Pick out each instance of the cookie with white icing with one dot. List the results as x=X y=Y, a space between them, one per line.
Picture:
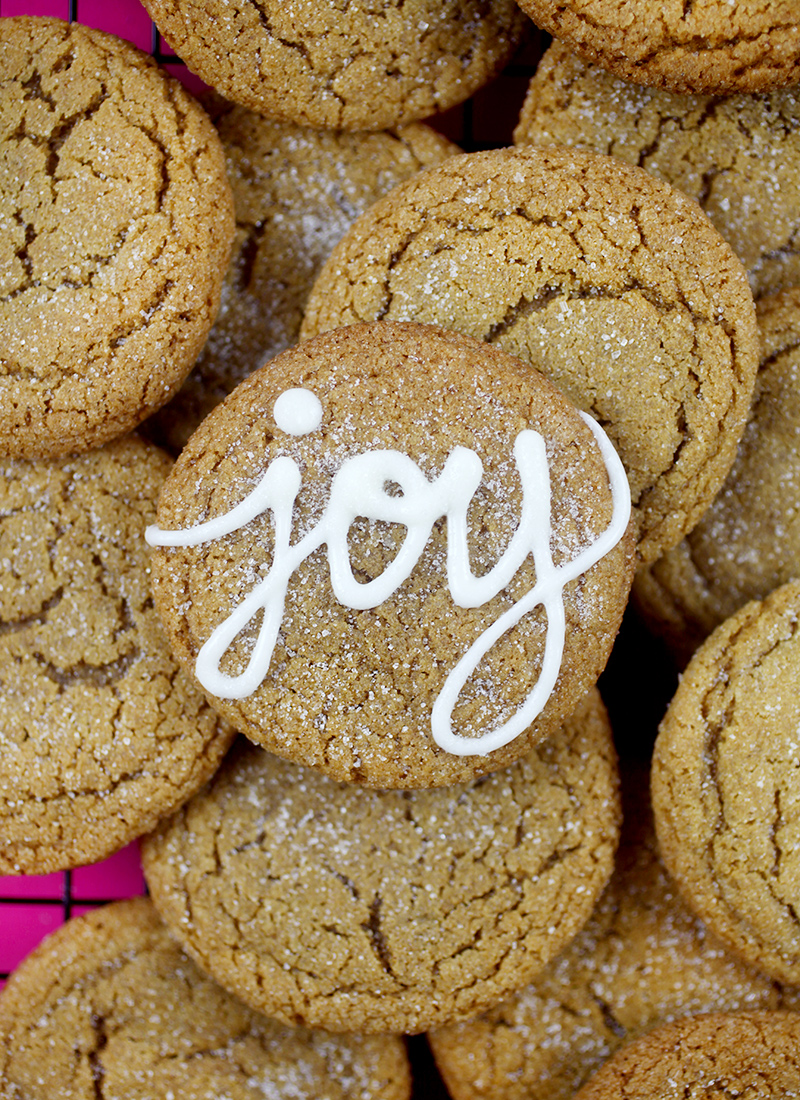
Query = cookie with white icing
x=395 y=554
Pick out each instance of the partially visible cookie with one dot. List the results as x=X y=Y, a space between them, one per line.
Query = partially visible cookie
x=713 y=47
x=738 y=156
x=748 y=542
x=641 y=960
x=725 y=789
x=296 y=193
x=326 y=904
x=395 y=554
x=102 y=733
x=117 y=222
x=610 y=282
x=109 y=1005
x=746 y=1054
x=358 y=66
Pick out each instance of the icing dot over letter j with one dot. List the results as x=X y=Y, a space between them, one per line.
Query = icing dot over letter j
x=359 y=489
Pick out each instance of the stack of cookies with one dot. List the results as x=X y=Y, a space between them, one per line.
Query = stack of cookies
x=356 y=722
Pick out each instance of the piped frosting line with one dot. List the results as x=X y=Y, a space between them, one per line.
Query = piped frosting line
x=359 y=488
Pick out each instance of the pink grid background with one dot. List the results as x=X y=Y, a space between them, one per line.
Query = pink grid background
x=33 y=906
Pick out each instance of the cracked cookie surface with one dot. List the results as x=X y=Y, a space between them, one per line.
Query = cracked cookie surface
x=327 y=904
x=709 y=46
x=725 y=789
x=296 y=191
x=720 y=1056
x=738 y=156
x=110 y=1006
x=611 y=283
x=642 y=959
x=358 y=65
x=350 y=686
x=102 y=732
x=117 y=221
x=748 y=542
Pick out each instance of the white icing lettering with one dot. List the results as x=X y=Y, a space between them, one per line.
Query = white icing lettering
x=359 y=488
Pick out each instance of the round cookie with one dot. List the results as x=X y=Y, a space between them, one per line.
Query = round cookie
x=640 y=960
x=364 y=66
x=117 y=219
x=712 y=47
x=296 y=193
x=741 y=1054
x=329 y=905
x=739 y=157
x=110 y=1006
x=748 y=542
x=102 y=732
x=611 y=283
x=725 y=783
x=394 y=649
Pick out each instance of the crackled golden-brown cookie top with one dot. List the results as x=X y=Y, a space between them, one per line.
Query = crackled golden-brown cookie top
x=713 y=1057
x=711 y=46
x=364 y=65
x=296 y=192
x=109 y=1005
x=117 y=221
x=610 y=282
x=396 y=554
x=102 y=733
x=748 y=542
x=327 y=904
x=725 y=789
x=640 y=960
x=738 y=156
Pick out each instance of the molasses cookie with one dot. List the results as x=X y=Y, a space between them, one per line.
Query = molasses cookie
x=117 y=223
x=361 y=66
x=641 y=959
x=110 y=1006
x=396 y=554
x=725 y=790
x=748 y=542
x=102 y=733
x=296 y=192
x=712 y=47
x=610 y=282
x=739 y=157
x=329 y=905
x=752 y=1054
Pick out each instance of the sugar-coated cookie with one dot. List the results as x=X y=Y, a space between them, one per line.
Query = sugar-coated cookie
x=309 y=581
x=109 y=1005
x=714 y=47
x=738 y=156
x=610 y=282
x=296 y=193
x=102 y=733
x=641 y=959
x=748 y=542
x=358 y=66
x=738 y=1054
x=117 y=220
x=725 y=790
x=329 y=905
